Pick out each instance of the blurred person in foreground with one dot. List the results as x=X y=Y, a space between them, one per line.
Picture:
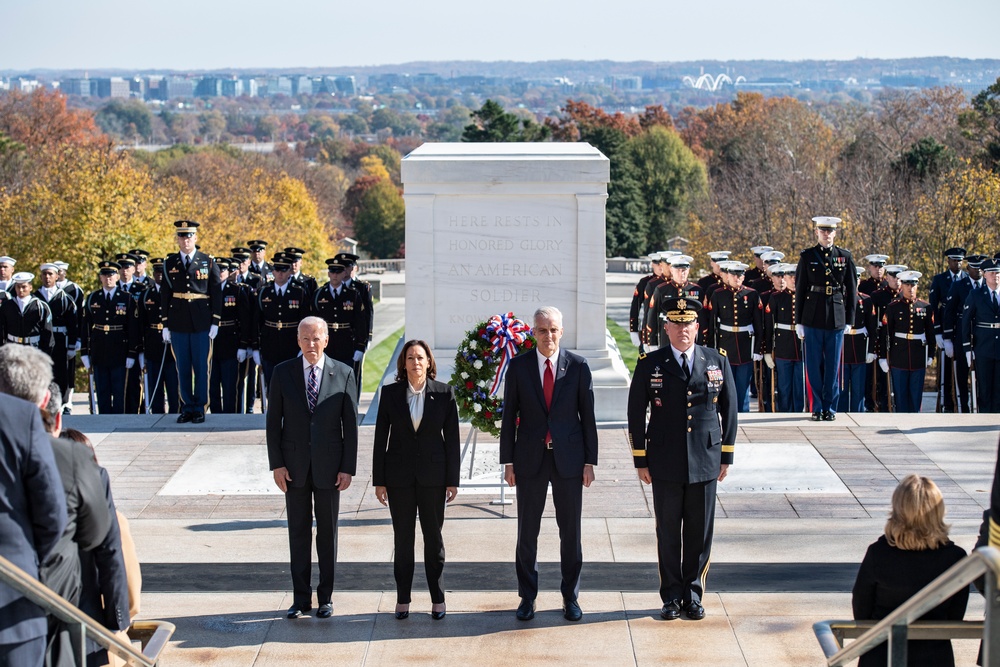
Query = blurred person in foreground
x=415 y=467
x=914 y=551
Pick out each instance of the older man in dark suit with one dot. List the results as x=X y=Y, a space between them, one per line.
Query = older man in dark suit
x=549 y=435
x=312 y=448
x=30 y=527
x=684 y=451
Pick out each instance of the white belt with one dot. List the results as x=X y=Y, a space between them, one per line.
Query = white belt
x=30 y=340
x=61 y=330
x=785 y=327
x=863 y=331
x=908 y=336
x=726 y=327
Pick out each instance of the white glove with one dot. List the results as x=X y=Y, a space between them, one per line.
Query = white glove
x=652 y=348
x=949 y=349
x=769 y=360
x=634 y=335
x=241 y=355
x=256 y=357
x=78 y=346
x=930 y=361
x=71 y=352
x=86 y=361
x=213 y=332
x=870 y=357
x=939 y=339
x=847 y=328
x=358 y=354
x=800 y=331
x=970 y=357
x=166 y=335
x=758 y=357
x=129 y=363
x=884 y=365
x=142 y=360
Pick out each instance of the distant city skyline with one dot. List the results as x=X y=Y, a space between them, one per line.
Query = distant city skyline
x=199 y=35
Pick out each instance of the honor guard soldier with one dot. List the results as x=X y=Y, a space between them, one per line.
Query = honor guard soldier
x=981 y=339
x=635 y=322
x=308 y=282
x=684 y=450
x=734 y=321
x=192 y=305
x=776 y=283
x=937 y=297
x=908 y=342
x=782 y=348
x=155 y=358
x=24 y=318
x=6 y=272
x=280 y=306
x=229 y=349
x=258 y=263
x=715 y=276
x=246 y=381
x=757 y=272
x=650 y=289
x=133 y=379
x=364 y=289
x=65 y=329
x=104 y=340
x=761 y=388
x=859 y=353
x=877 y=383
x=242 y=274
x=141 y=266
x=951 y=328
x=75 y=292
x=343 y=311
x=126 y=273
x=678 y=268
x=875 y=278
x=826 y=286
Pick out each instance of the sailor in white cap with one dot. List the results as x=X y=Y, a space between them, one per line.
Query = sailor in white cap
x=24 y=319
x=907 y=343
x=65 y=328
x=6 y=271
x=826 y=288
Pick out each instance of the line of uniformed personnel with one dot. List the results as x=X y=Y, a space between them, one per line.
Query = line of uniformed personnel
x=866 y=322
x=128 y=330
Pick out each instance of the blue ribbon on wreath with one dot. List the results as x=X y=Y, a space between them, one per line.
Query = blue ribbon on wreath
x=505 y=334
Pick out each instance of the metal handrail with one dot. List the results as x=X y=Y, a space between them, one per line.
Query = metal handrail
x=82 y=626
x=894 y=627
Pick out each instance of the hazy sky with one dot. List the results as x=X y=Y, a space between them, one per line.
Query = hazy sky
x=207 y=34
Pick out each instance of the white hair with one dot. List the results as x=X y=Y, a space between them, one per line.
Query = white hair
x=551 y=313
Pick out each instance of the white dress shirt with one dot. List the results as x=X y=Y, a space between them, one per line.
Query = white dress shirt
x=319 y=372
x=415 y=399
x=541 y=365
x=677 y=357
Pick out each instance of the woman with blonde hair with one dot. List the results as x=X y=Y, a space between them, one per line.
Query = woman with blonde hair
x=914 y=551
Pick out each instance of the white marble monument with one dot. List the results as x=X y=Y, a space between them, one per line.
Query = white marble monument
x=498 y=227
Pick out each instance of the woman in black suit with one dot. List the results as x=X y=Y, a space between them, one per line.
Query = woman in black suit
x=415 y=466
x=913 y=552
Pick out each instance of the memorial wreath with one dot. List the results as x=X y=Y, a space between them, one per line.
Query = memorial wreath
x=480 y=365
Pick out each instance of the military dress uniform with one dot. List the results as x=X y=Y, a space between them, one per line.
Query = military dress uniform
x=274 y=335
x=981 y=337
x=937 y=297
x=104 y=339
x=825 y=296
x=951 y=328
x=667 y=290
x=635 y=323
x=343 y=311
x=690 y=434
x=364 y=289
x=157 y=357
x=908 y=342
x=859 y=346
x=31 y=326
x=233 y=336
x=734 y=321
x=785 y=348
x=65 y=334
x=877 y=382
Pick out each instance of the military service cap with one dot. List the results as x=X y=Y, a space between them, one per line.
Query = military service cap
x=719 y=255
x=877 y=260
x=955 y=253
x=62 y=266
x=826 y=222
x=141 y=255
x=257 y=245
x=909 y=277
x=336 y=264
x=759 y=250
x=681 y=309
x=772 y=256
x=975 y=260
x=49 y=266
x=680 y=261
x=107 y=267
x=126 y=259
x=989 y=266
x=186 y=227
x=893 y=269
x=23 y=277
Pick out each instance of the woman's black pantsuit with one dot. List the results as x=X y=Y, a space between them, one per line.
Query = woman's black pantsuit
x=416 y=466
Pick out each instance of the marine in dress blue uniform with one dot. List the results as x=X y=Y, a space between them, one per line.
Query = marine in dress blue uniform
x=105 y=347
x=192 y=305
x=981 y=337
x=937 y=297
x=875 y=278
x=684 y=449
x=877 y=383
x=782 y=349
x=907 y=343
x=635 y=321
x=859 y=353
x=735 y=327
x=757 y=271
x=678 y=267
x=825 y=297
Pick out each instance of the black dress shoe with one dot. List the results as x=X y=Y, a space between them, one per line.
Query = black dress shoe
x=325 y=610
x=184 y=417
x=571 y=610
x=526 y=610
x=829 y=417
x=694 y=611
x=671 y=611
x=438 y=615
x=198 y=418
x=400 y=615
x=817 y=416
x=296 y=611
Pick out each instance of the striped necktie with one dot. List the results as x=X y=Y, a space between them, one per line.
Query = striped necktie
x=312 y=389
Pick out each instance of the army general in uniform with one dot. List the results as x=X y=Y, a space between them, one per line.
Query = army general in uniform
x=683 y=450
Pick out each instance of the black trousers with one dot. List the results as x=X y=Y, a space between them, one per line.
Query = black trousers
x=404 y=503
x=164 y=368
x=988 y=383
x=962 y=378
x=222 y=385
x=134 y=403
x=247 y=386
x=567 y=496
x=299 y=504
x=685 y=521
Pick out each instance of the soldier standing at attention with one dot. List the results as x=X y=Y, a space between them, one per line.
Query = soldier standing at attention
x=229 y=349
x=141 y=264
x=757 y=272
x=981 y=337
x=308 y=282
x=782 y=348
x=65 y=329
x=343 y=311
x=24 y=318
x=908 y=343
x=7 y=264
x=937 y=297
x=876 y=274
x=678 y=268
x=104 y=339
x=192 y=304
x=877 y=384
x=825 y=298
x=281 y=305
x=75 y=292
x=734 y=320
x=952 y=326
x=635 y=323
x=715 y=277
x=154 y=355
x=859 y=353
x=258 y=262
x=364 y=290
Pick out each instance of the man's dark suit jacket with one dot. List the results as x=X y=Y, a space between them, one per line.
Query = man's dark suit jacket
x=570 y=420
x=34 y=511
x=325 y=441
x=430 y=455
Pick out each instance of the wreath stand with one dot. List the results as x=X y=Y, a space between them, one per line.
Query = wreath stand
x=472 y=440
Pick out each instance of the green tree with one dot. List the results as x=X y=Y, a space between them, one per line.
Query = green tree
x=492 y=124
x=982 y=124
x=125 y=119
x=354 y=123
x=379 y=223
x=625 y=212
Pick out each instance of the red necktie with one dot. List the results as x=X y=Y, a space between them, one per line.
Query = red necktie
x=548 y=384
